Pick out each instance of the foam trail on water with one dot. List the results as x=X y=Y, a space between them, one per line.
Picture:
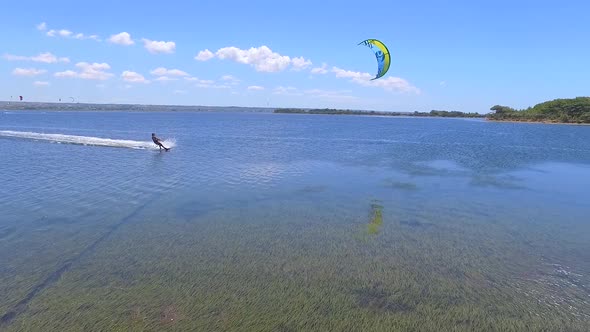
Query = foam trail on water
x=86 y=140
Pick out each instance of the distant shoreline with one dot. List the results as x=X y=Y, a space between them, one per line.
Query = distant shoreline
x=90 y=107
x=431 y=114
x=539 y=122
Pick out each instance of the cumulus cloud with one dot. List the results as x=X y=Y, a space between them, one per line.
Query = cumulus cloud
x=123 y=38
x=204 y=55
x=255 y=88
x=387 y=83
x=154 y=46
x=65 y=33
x=42 y=57
x=320 y=70
x=131 y=76
x=88 y=71
x=300 y=63
x=262 y=58
x=94 y=71
x=41 y=83
x=161 y=71
x=28 y=71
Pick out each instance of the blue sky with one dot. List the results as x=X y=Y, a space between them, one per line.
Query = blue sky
x=454 y=55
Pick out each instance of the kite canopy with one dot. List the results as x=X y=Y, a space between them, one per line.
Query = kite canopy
x=382 y=55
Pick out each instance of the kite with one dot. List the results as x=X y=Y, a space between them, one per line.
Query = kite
x=382 y=55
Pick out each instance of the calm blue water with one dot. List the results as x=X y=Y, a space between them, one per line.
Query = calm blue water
x=63 y=206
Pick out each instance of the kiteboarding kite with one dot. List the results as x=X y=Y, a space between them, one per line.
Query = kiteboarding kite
x=382 y=54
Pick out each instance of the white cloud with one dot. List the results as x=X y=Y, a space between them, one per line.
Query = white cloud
x=82 y=36
x=161 y=71
x=387 y=83
x=287 y=91
x=191 y=78
x=320 y=70
x=300 y=63
x=122 y=38
x=65 y=33
x=206 y=82
x=28 y=72
x=204 y=55
x=11 y=57
x=213 y=86
x=210 y=84
x=159 y=46
x=67 y=73
x=131 y=76
x=88 y=71
x=49 y=58
x=94 y=71
x=42 y=57
x=40 y=83
x=230 y=79
x=166 y=79
x=262 y=58
x=255 y=88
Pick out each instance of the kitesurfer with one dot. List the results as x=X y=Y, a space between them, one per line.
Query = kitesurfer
x=158 y=142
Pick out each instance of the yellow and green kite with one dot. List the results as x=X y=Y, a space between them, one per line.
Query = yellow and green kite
x=382 y=54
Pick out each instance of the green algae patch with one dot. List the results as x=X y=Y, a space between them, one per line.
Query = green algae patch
x=375 y=218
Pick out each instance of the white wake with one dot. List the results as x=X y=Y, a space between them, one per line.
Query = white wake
x=86 y=140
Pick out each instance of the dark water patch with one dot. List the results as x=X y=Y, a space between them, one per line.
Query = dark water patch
x=284 y=327
x=410 y=186
x=312 y=189
x=416 y=224
x=499 y=182
x=191 y=210
x=56 y=221
x=86 y=306
x=377 y=299
x=6 y=232
x=22 y=305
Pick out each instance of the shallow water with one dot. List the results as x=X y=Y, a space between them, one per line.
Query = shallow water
x=264 y=222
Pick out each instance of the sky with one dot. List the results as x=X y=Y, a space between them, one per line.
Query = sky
x=445 y=55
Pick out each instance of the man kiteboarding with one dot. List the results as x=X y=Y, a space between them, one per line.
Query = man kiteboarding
x=158 y=142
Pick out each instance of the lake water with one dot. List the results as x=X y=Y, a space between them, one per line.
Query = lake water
x=270 y=222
